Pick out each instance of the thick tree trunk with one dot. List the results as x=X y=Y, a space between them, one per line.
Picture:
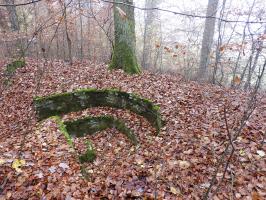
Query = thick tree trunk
x=124 y=56
x=207 y=39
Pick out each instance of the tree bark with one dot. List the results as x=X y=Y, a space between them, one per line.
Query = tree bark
x=3 y=21
x=69 y=42
x=81 y=30
x=14 y=26
x=149 y=32
x=207 y=39
x=252 y=68
x=13 y=17
x=124 y=56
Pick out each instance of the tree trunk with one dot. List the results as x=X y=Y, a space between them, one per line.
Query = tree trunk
x=14 y=26
x=3 y=21
x=88 y=32
x=69 y=43
x=13 y=17
x=81 y=31
x=124 y=56
x=252 y=68
x=207 y=39
x=149 y=32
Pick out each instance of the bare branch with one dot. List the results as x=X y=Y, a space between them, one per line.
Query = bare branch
x=187 y=15
x=20 y=4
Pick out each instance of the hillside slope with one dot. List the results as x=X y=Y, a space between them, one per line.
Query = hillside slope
x=177 y=164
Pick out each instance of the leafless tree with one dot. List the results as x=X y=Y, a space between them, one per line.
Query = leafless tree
x=207 y=39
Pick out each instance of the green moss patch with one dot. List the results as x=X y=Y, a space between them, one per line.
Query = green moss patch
x=89 y=155
x=59 y=104
x=62 y=128
x=12 y=67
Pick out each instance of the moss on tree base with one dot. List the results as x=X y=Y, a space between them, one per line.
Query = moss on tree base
x=124 y=58
x=124 y=52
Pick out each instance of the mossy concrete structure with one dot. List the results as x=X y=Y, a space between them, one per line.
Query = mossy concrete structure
x=63 y=103
x=91 y=125
x=58 y=104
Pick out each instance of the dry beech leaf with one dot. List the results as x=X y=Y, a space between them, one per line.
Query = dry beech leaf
x=184 y=164
x=188 y=152
x=174 y=190
x=237 y=80
x=256 y=196
x=2 y=161
x=139 y=160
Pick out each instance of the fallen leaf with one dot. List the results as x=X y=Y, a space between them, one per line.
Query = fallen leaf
x=20 y=181
x=2 y=161
x=39 y=175
x=139 y=160
x=188 y=152
x=17 y=164
x=8 y=195
x=183 y=164
x=174 y=190
x=64 y=166
x=256 y=196
x=52 y=169
x=237 y=80
x=242 y=152
x=261 y=153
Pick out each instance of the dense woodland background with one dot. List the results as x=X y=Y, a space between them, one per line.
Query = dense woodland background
x=228 y=49
x=201 y=63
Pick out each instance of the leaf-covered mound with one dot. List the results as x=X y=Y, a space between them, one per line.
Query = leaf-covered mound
x=177 y=164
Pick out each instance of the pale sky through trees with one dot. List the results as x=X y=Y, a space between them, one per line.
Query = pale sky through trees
x=177 y=29
x=171 y=22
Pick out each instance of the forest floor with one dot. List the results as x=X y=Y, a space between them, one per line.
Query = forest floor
x=177 y=164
